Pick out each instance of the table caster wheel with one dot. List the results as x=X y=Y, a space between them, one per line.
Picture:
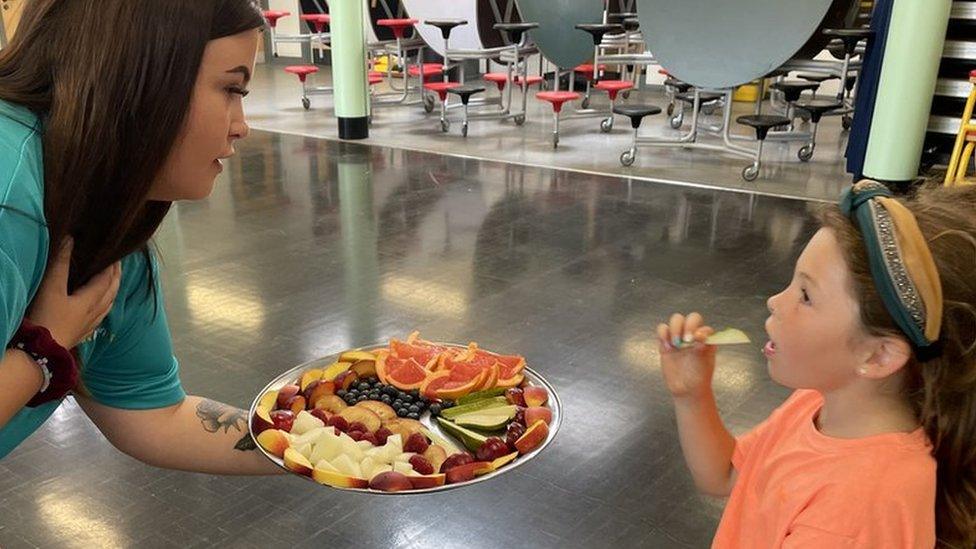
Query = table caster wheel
x=846 y=122
x=606 y=125
x=670 y=109
x=805 y=153
x=519 y=120
x=428 y=104
x=750 y=173
x=586 y=103
x=464 y=129
x=677 y=120
x=627 y=158
x=307 y=103
x=445 y=126
x=555 y=140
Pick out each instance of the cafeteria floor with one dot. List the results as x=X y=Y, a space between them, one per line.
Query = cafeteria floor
x=309 y=246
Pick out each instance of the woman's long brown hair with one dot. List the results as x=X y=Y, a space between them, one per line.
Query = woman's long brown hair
x=941 y=389
x=111 y=82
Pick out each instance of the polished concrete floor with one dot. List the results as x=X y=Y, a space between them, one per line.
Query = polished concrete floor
x=310 y=246
x=275 y=104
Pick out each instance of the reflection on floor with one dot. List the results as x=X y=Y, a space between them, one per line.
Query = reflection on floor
x=275 y=104
x=309 y=246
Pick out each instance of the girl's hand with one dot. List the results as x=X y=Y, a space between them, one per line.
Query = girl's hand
x=71 y=318
x=686 y=361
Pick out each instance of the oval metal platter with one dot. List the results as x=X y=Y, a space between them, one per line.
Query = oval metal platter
x=531 y=378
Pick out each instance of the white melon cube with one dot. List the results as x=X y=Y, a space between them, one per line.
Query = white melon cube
x=305 y=422
x=404 y=468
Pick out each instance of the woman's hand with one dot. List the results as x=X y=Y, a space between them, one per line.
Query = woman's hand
x=72 y=318
x=686 y=361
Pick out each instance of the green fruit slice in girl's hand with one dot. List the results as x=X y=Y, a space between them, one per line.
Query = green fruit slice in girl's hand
x=730 y=336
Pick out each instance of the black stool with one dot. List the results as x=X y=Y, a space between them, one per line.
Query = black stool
x=762 y=123
x=818 y=78
x=636 y=113
x=709 y=99
x=792 y=89
x=817 y=108
x=597 y=31
x=850 y=38
x=515 y=30
x=673 y=86
x=465 y=93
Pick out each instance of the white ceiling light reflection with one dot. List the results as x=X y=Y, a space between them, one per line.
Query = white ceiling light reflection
x=233 y=307
x=77 y=520
x=423 y=295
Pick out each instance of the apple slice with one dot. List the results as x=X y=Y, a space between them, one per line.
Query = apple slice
x=381 y=468
x=345 y=380
x=336 y=479
x=533 y=436
x=308 y=377
x=384 y=411
x=274 y=441
x=729 y=336
x=504 y=460
x=406 y=427
x=535 y=395
x=535 y=413
x=421 y=482
x=365 y=416
x=331 y=404
x=297 y=463
x=468 y=471
x=305 y=422
x=391 y=481
x=436 y=455
x=295 y=404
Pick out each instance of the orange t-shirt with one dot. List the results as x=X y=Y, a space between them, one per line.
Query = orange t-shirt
x=797 y=487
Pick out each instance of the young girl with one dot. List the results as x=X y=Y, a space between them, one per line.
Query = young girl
x=876 y=332
x=110 y=110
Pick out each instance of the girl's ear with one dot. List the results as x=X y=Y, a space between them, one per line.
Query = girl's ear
x=891 y=354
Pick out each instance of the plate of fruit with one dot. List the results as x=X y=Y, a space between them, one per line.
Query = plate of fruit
x=411 y=416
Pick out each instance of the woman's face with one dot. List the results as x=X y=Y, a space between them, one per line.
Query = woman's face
x=215 y=121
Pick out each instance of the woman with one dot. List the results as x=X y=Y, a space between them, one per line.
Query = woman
x=102 y=126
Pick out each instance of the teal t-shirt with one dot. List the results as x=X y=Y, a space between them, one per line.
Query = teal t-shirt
x=129 y=361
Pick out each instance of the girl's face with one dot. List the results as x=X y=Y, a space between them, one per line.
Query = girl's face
x=215 y=121
x=816 y=339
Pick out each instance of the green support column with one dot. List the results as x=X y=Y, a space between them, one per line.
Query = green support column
x=349 y=68
x=909 y=70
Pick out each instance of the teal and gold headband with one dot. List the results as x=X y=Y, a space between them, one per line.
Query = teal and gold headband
x=901 y=263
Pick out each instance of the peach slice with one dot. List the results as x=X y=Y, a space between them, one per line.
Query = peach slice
x=535 y=395
x=353 y=357
x=262 y=420
x=436 y=455
x=321 y=414
x=405 y=427
x=295 y=404
x=427 y=481
x=364 y=368
x=533 y=436
x=337 y=479
x=334 y=370
x=345 y=380
x=274 y=441
x=468 y=471
x=285 y=394
x=385 y=411
x=317 y=390
x=536 y=413
x=297 y=463
x=268 y=400
x=391 y=481
x=309 y=377
x=331 y=404
x=365 y=416
x=504 y=460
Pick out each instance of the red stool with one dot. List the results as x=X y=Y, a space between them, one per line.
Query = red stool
x=557 y=98
x=591 y=74
x=398 y=26
x=374 y=78
x=318 y=20
x=272 y=16
x=425 y=70
x=529 y=80
x=499 y=78
x=302 y=72
x=612 y=87
x=440 y=88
